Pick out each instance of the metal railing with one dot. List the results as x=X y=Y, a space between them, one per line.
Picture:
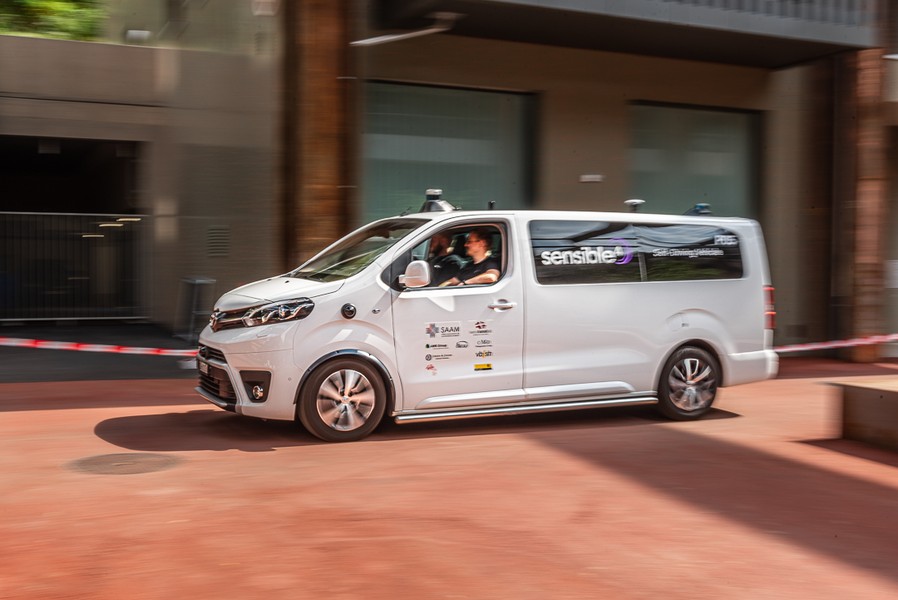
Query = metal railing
x=70 y=266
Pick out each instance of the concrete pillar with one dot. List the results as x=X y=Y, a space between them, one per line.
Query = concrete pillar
x=316 y=125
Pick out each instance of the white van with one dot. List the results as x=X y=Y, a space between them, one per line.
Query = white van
x=575 y=310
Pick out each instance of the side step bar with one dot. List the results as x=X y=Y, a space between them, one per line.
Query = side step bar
x=518 y=410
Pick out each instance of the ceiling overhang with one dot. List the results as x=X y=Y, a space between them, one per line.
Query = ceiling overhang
x=703 y=34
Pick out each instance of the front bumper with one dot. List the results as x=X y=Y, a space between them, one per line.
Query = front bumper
x=229 y=382
x=215 y=384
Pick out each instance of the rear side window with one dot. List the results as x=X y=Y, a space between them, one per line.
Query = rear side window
x=574 y=252
x=689 y=252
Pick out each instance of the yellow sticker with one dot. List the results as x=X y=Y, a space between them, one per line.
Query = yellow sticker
x=483 y=367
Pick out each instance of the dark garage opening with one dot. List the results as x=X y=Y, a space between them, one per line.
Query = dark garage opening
x=70 y=235
x=67 y=175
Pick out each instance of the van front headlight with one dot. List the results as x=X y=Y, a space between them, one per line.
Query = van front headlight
x=278 y=312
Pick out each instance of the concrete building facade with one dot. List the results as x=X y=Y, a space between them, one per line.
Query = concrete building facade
x=262 y=132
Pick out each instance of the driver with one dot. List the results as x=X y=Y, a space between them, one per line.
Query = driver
x=483 y=268
x=442 y=258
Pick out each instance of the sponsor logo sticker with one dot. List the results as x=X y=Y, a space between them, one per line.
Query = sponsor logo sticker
x=479 y=328
x=443 y=330
x=686 y=252
x=726 y=240
x=483 y=367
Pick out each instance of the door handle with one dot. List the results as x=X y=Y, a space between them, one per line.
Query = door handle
x=502 y=305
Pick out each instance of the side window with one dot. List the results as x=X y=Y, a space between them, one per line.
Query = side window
x=472 y=253
x=420 y=251
x=446 y=254
x=467 y=255
x=689 y=252
x=571 y=252
x=576 y=252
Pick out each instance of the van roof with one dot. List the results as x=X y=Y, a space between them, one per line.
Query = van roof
x=578 y=215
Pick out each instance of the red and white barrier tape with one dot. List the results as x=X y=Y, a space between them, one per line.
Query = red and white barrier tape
x=50 y=345
x=865 y=341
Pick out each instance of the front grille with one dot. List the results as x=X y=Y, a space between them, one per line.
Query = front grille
x=217 y=383
x=212 y=354
x=227 y=319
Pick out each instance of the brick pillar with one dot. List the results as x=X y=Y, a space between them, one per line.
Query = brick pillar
x=316 y=125
x=870 y=204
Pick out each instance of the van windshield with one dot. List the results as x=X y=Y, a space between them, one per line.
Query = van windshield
x=356 y=251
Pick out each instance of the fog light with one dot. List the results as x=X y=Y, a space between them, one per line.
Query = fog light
x=257 y=385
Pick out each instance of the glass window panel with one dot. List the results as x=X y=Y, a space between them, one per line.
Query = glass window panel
x=689 y=252
x=577 y=252
x=474 y=145
x=572 y=252
x=680 y=157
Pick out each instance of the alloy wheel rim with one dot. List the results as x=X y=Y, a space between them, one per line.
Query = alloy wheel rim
x=345 y=400
x=692 y=384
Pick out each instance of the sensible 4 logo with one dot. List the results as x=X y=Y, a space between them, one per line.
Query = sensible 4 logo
x=620 y=254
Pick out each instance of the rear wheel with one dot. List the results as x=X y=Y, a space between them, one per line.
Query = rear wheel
x=343 y=400
x=688 y=384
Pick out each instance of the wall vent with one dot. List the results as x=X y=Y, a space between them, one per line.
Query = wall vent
x=218 y=242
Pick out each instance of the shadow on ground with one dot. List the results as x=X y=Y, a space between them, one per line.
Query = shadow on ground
x=213 y=429
x=846 y=518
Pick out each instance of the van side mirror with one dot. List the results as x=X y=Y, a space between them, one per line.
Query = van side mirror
x=417 y=274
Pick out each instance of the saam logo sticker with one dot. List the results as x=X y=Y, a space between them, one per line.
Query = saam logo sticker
x=443 y=330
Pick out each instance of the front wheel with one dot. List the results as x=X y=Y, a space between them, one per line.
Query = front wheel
x=343 y=400
x=688 y=384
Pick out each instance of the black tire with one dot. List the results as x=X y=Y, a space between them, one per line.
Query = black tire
x=688 y=384
x=343 y=400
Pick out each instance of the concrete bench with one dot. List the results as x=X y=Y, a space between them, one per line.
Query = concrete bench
x=870 y=411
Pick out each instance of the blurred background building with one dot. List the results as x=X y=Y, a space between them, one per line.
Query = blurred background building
x=169 y=150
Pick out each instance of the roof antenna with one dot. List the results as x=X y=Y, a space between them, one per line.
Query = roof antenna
x=492 y=205
x=634 y=204
x=702 y=208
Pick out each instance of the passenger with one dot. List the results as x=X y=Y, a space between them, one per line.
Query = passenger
x=483 y=267
x=443 y=260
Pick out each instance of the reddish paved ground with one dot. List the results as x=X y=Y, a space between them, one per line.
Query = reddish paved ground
x=759 y=501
